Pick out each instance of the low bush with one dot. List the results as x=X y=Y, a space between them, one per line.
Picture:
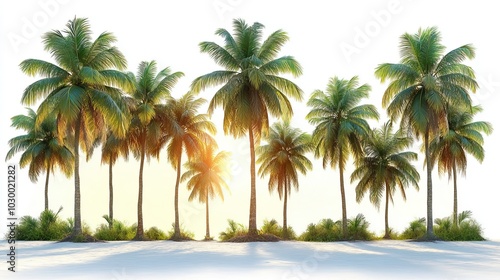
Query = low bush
x=154 y=233
x=234 y=229
x=118 y=231
x=466 y=228
x=185 y=234
x=415 y=230
x=327 y=230
x=48 y=226
x=272 y=227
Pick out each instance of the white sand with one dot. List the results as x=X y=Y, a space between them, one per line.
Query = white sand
x=282 y=260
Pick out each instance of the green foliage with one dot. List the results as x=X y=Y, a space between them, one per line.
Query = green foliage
x=154 y=233
x=466 y=229
x=415 y=230
x=185 y=234
x=357 y=229
x=234 y=229
x=119 y=231
x=327 y=230
x=272 y=227
x=47 y=227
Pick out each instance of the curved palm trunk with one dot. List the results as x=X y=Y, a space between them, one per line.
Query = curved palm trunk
x=207 y=234
x=111 y=194
x=140 y=226
x=342 y=194
x=77 y=229
x=177 y=229
x=47 y=189
x=387 y=236
x=430 y=226
x=285 y=201
x=455 y=194
x=252 y=226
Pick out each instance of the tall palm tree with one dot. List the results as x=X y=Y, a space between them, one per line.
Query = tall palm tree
x=252 y=88
x=423 y=85
x=80 y=89
x=340 y=126
x=205 y=176
x=151 y=91
x=463 y=137
x=112 y=148
x=281 y=158
x=188 y=131
x=41 y=148
x=385 y=166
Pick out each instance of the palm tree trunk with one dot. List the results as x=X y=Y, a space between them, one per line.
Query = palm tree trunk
x=207 y=234
x=252 y=226
x=285 y=201
x=455 y=198
x=77 y=229
x=177 y=229
x=47 y=189
x=140 y=226
x=110 y=194
x=386 y=236
x=342 y=194
x=430 y=226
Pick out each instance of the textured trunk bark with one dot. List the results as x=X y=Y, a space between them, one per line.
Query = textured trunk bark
x=47 y=189
x=387 y=192
x=285 y=201
x=455 y=195
x=342 y=194
x=140 y=226
x=110 y=194
x=177 y=229
x=77 y=230
x=207 y=234
x=252 y=227
x=430 y=226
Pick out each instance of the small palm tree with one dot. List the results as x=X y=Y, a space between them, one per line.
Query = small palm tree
x=463 y=137
x=424 y=84
x=151 y=91
x=187 y=131
x=281 y=158
x=385 y=166
x=41 y=149
x=252 y=87
x=80 y=90
x=340 y=126
x=205 y=176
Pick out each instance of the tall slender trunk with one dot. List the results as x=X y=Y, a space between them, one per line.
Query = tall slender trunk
x=387 y=193
x=177 y=229
x=77 y=229
x=285 y=201
x=47 y=189
x=455 y=194
x=430 y=226
x=252 y=226
x=111 y=194
x=342 y=194
x=207 y=234
x=140 y=226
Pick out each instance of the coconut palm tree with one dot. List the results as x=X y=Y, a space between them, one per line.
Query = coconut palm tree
x=151 y=89
x=252 y=88
x=41 y=149
x=340 y=126
x=282 y=158
x=187 y=132
x=385 y=167
x=80 y=88
x=205 y=176
x=463 y=137
x=423 y=85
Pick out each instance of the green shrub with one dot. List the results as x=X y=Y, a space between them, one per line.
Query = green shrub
x=466 y=229
x=234 y=229
x=325 y=231
x=28 y=229
x=272 y=227
x=47 y=227
x=185 y=234
x=357 y=228
x=415 y=230
x=119 y=231
x=155 y=233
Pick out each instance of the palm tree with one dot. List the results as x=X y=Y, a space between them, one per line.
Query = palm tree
x=340 y=126
x=151 y=91
x=252 y=88
x=385 y=166
x=206 y=178
x=41 y=147
x=281 y=158
x=79 y=89
x=422 y=87
x=112 y=148
x=187 y=132
x=463 y=137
